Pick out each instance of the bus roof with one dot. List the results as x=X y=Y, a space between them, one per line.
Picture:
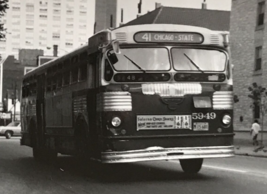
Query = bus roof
x=61 y=58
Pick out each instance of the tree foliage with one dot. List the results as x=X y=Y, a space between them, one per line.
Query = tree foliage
x=3 y=8
x=258 y=95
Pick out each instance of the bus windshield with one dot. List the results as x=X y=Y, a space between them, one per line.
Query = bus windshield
x=141 y=59
x=198 y=59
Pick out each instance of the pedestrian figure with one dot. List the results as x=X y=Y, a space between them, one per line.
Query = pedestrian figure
x=255 y=128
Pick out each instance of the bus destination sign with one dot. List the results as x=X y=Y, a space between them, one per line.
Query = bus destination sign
x=171 y=37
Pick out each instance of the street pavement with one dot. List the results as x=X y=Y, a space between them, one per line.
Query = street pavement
x=243 y=144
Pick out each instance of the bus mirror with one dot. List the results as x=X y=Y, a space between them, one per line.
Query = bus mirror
x=116 y=47
x=112 y=57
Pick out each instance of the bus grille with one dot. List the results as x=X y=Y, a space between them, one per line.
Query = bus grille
x=114 y=101
x=170 y=90
x=222 y=100
x=214 y=39
x=121 y=36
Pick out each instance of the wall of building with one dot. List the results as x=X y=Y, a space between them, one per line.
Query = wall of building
x=44 y=23
x=103 y=10
x=13 y=72
x=28 y=57
x=244 y=38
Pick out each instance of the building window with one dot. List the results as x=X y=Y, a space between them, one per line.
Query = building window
x=43 y=16
x=82 y=12
x=70 y=19
x=29 y=5
x=69 y=25
x=82 y=7
x=69 y=32
x=56 y=18
x=16 y=36
x=258 y=57
x=69 y=44
x=29 y=16
x=16 y=8
x=29 y=22
x=43 y=10
x=70 y=12
x=261 y=9
x=56 y=25
x=56 y=11
x=57 y=4
x=82 y=26
x=56 y=36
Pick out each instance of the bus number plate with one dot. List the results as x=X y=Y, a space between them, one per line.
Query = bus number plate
x=201 y=126
x=147 y=122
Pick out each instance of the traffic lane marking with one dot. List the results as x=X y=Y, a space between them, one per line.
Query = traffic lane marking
x=258 y=174
x=225 y=169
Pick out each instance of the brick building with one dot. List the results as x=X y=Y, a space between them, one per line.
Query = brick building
x=249 y=55
x=13 y=71
x=212 y=19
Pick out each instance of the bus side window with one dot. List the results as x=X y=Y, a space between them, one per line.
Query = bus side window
x=54 y=83
x=83 y=71
x=66 y=72
x=66 y=78
x=74 y=74
x=59 y=75
x=108 y=71
x=59 y=80
x=74 y=69
x=92 y=63
x=48 y=84
x=24 y=91
x=34 y=88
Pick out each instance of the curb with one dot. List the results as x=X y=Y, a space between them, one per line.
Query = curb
x=254 y=152
x=251 y=155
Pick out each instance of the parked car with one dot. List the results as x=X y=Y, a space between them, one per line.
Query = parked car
x=12 y=129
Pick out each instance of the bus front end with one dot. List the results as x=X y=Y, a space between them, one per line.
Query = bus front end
x=166 y=95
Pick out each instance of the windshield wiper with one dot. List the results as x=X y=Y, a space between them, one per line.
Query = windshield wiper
x=193 y=63
x=135 y=63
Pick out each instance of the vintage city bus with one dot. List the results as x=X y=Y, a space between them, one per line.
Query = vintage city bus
x=135 y=93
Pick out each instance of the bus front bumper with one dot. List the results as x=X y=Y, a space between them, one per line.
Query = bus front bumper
x=159 y=153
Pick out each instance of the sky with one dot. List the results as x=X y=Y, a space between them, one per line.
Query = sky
x=130 y=6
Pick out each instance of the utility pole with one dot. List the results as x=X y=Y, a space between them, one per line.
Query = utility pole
x=15 y=99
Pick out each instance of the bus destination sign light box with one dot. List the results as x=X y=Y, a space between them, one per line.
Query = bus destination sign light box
x=170 y=37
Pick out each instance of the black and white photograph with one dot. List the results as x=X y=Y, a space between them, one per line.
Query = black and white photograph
x=133 y=97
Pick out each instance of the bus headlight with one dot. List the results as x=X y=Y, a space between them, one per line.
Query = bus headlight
x=226 y=120
x=116 y=121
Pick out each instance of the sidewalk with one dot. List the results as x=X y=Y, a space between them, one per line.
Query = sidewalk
x=243 y=145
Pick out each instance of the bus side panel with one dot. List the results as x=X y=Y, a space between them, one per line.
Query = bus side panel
x=28 y=114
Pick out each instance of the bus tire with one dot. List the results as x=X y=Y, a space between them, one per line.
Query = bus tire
x=37 y=153
x=8 y=134
x=191 y=166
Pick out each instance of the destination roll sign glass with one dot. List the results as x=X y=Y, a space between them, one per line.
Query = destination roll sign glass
x=170 y=37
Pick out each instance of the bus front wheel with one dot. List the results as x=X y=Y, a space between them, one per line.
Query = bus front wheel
x=191 y=166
